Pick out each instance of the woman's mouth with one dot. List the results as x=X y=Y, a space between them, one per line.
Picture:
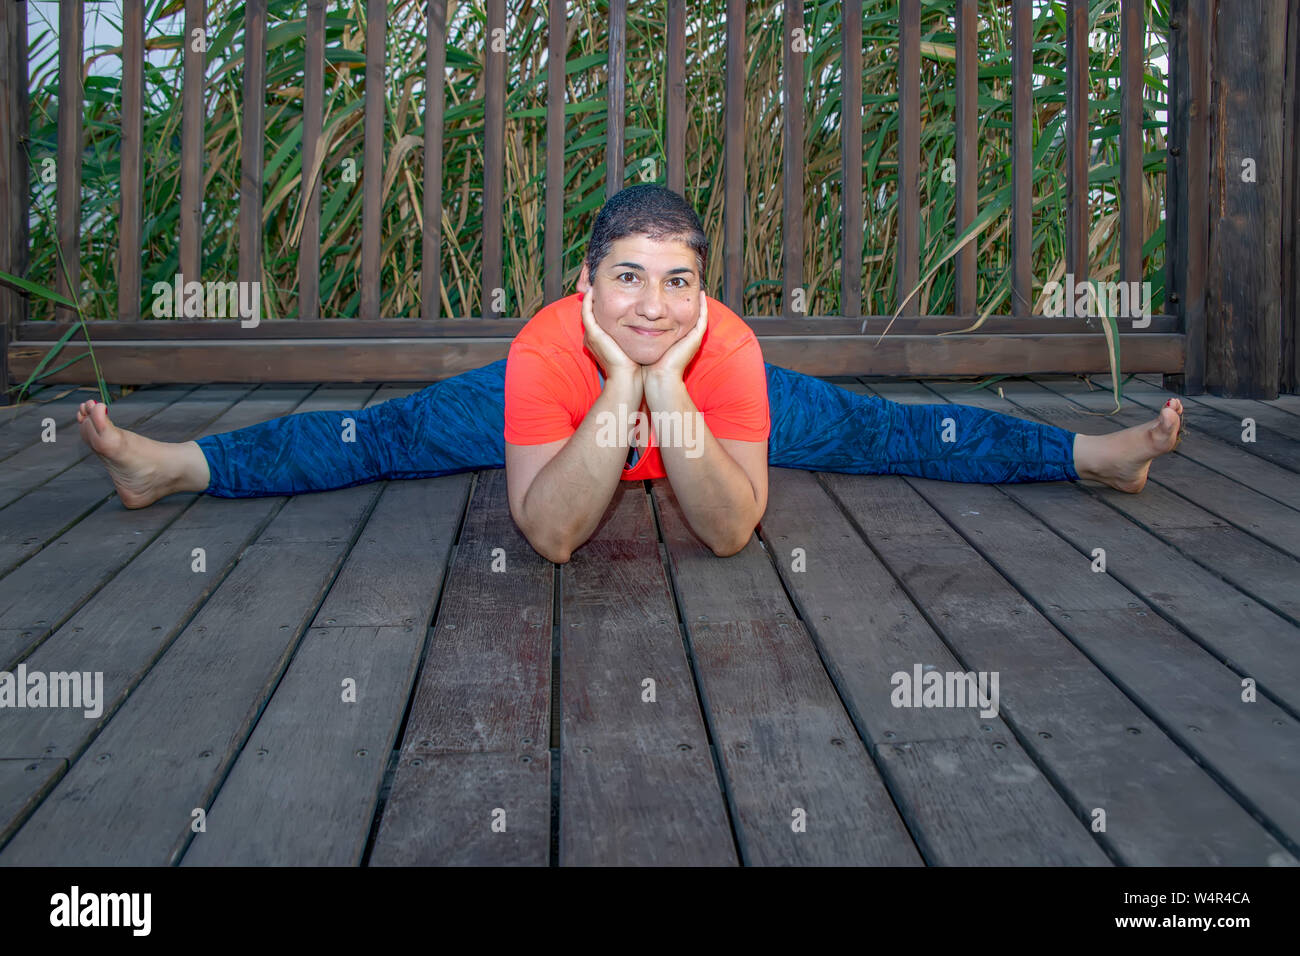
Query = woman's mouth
x=650 y=333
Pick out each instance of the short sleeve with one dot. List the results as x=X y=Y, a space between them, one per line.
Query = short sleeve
x=535 y=410
x=735 y=395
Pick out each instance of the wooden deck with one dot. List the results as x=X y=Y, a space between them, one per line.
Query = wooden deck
x=650 y=703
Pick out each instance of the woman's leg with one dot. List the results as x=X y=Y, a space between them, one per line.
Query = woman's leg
x=451 y=426
x=822 y=427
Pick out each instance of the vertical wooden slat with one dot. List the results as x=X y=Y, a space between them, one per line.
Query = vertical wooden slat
x=1290 y=378
x=1243 y=318
x=1175 y=174
x=192 y=83
x=373 y=160
x=435 y=61
x=252 y=142
x=1076 y=139
x=132 y=169
x=1022 y=153
x=617 y=88
x=967 y=153
x=1132 y=67
x=13 y=177
x=557 y=33
x=494 y=167
x=1195 y=173
x=851 y=162
x=792 y=157
x=675 y=108
x=909 y=155
x=68 y=165
x=313 y=118
x=733 y=160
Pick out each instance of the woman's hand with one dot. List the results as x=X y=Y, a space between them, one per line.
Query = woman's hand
x=672 y=364
x=611 y=358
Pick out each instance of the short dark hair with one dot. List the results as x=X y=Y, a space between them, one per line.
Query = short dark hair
x=646 y=209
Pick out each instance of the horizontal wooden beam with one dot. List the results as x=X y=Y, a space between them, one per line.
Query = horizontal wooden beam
x=173 y=330
x=427 y=359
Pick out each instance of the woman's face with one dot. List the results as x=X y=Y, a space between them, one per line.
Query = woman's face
x=645 y=294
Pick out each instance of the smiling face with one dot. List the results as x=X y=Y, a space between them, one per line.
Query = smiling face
x=645 y=294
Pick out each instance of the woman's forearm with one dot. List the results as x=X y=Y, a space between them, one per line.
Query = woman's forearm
x=567 y=499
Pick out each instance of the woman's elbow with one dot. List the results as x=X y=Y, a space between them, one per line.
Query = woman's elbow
x=734 y=545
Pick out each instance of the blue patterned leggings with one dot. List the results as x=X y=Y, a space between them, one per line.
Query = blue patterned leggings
x=458 y=424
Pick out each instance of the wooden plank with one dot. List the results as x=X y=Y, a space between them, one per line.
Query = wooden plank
x=121 y=636
x=313 y=117
x=907 y=264
x=13 y=179
x=1194 y=245
x=1277 y=419
x=159 y=759
x=222 y=329
x=615 y=115
x=478 y=728
x=945 y=765
x=637 y=782
x=423 y=360
x=304 y=788
x=1022 y=157
x=851 y=162
x=130 y=240
x=1245 y=636
x=675 y=98
x=1096 y=745
x=1077 y=140
x=494 y=159
x=967 y=123
x=23 y=784
x=1252 y=566
x=1287 y=403
x=1241 y=484
x=780 y=731
x=193 y=81
x=431 y=234
x=1132 y=210
x=1290 y=239
x=252 y=143
x=553 y=240
x=369 y=278
x=1224 y=452
x=1276 y=434
x=40 y=594
x=41 y=461
x=733 y=162
x=20 y=425
x=1241 y=633
x=67 y=274
x=1244 y=313
x=792 y=160
x=30 y=522
x=1175 y=195
x=1253 y=752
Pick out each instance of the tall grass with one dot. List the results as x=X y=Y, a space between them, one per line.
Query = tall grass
x=526 y=145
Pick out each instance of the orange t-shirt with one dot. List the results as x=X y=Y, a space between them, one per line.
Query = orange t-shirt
x=552 y=380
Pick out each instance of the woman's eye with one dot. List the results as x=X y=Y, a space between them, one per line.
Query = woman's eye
x=625 y=274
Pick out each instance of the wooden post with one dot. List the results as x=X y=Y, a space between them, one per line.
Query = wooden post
x=1290 y=374
x=13 y=177
x=1187 y=185
x=1244 y=278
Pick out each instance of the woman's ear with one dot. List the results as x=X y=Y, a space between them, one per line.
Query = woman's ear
x=584 y=279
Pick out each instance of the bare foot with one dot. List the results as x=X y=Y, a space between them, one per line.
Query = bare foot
x=1123 y=459
x=143 y=470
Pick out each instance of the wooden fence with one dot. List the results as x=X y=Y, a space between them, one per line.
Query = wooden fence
x=1231 y=278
